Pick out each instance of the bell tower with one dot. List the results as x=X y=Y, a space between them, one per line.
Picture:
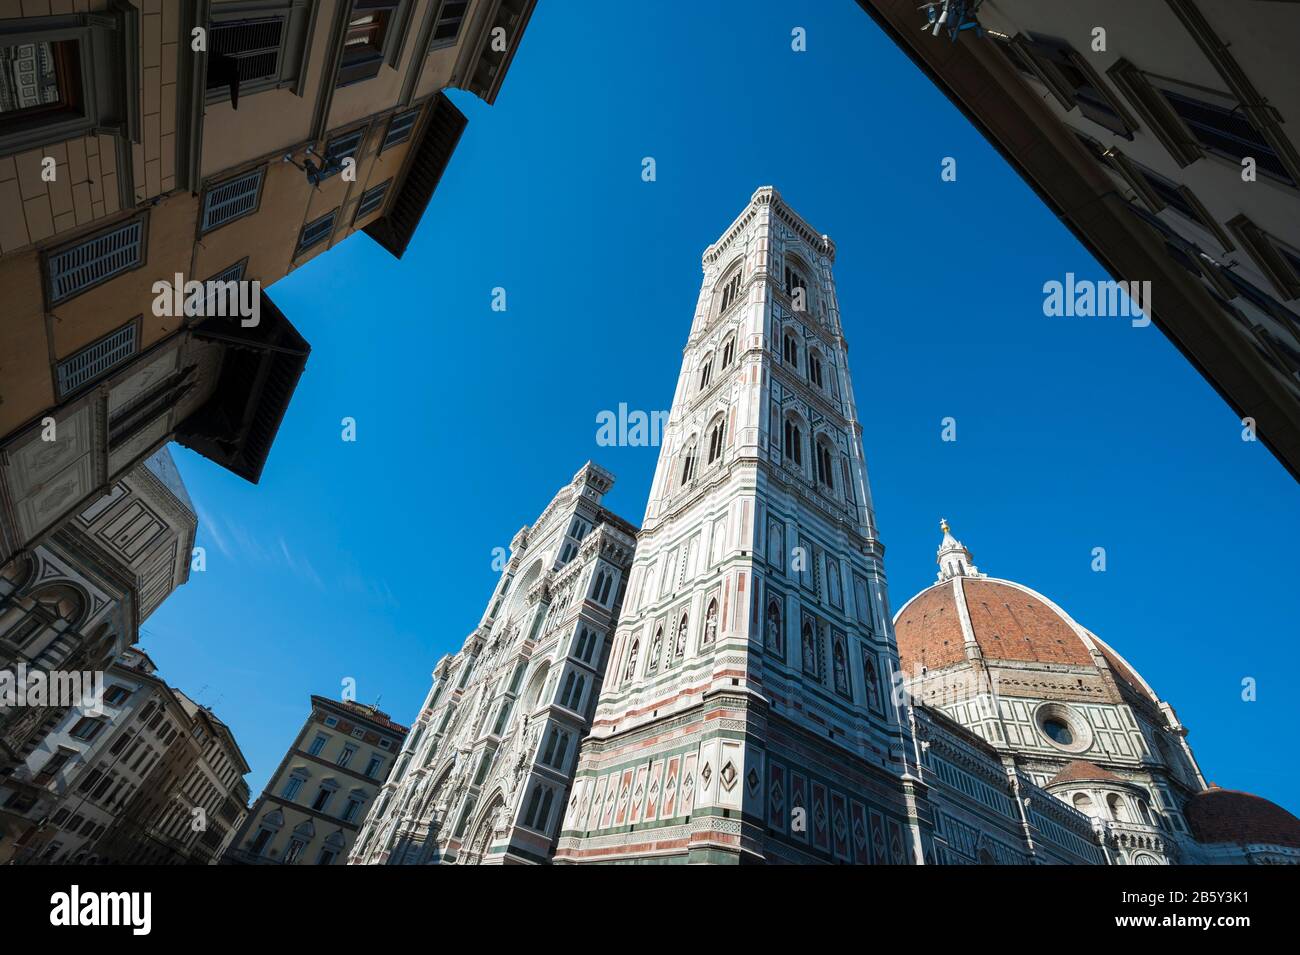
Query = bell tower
x=747 y=712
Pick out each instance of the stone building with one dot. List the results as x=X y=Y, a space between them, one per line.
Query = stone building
x=146 y=776
x=1163 y=135
x=77 y=600
x=758 y=702
x=295 y=124
x=312 y=806
x=486 y=770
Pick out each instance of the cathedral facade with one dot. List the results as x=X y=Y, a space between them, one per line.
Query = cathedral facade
x=726 y=685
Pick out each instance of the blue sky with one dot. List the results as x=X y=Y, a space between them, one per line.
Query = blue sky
x=369 y=560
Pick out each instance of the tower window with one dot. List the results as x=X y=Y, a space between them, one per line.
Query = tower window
x=796 y=286
x=815 y=368
x=790 y=351
x=728 y=352
x=688 y=464
x=730 y=291
x=706 y=372
x=716 y=437
x=824 y=465
x=793 y=448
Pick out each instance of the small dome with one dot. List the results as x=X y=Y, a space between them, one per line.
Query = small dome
x=1225 y=815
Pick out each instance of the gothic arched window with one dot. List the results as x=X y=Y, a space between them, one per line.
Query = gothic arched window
x=790 y=350
x=603 y=596
x=728 y=351
x=706 y=372
x=716 y=435
x=793 y=446
x=730 y=290
x=815 y=368
x=773 y=637
x=825 y=464
x=688 y=463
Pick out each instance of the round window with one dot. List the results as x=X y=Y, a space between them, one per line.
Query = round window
x=1058 y=732
x=1063 y=728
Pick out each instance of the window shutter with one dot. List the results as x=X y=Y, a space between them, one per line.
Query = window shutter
x=230 y=200
x=317 y=231
x=340 y=148
x=254 y=45
x=98 y=258
x=399 y=128
x=95 y=360
x=372 y=199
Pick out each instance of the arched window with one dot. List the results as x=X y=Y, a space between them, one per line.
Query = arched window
x=630 y=670
x=825 y=461
x=716 y=436
x=793 y=446
x=796 y=286
x=580 y=650
x=1083 y=803
x=1116 y=806
x=728 y=351
x=688 y=463
x=710 y=624
x=706 y=372
x=774 y=639
x=815 y=368
x=730 y=290
x=597 y=583
x=790 y=350
x=604 y=589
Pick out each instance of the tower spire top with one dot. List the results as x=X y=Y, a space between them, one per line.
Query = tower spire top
x=953 y=558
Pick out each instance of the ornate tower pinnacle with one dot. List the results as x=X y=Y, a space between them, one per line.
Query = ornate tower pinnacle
x=953 y=558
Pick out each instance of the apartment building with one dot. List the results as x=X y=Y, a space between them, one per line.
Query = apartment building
x=222 y=142
x=1163 y=135
x=315 y=802
x=149 y=776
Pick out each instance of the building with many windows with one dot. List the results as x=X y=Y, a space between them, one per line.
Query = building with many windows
x=314 y=803
x=167 y=162
x=144 y=775
x=1163 y=135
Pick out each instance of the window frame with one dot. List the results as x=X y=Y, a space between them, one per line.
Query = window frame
x=437 y=43
x=106 y=48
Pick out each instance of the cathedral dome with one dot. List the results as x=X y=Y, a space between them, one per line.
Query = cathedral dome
x=1225 y=815
x=1007 y=621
